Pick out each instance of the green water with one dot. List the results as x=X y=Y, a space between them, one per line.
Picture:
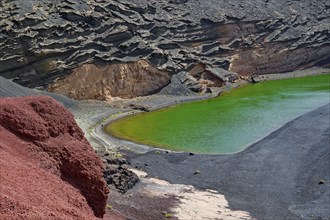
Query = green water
x=228 y=123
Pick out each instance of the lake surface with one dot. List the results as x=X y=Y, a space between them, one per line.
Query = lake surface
x=228 y=123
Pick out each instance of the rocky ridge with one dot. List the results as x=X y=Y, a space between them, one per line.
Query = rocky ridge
x=43 y=40
x=48 y=169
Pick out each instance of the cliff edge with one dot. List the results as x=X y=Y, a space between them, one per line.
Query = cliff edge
x=48 y=170
x=191 y=43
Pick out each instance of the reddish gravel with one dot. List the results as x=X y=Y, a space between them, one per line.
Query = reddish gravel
x=47 y=168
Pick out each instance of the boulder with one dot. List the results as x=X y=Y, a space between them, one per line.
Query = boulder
x=255 y=79
x=120 y=177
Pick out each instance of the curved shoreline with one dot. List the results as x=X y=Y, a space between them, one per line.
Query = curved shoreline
x=230 y=175
x=112 y=141
x=283 y=176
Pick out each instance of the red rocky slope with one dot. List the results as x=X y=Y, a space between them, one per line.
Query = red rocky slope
x=47 y=168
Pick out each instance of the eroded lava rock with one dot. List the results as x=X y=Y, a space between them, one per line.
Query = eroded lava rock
x=48 y=170
x=43 y=40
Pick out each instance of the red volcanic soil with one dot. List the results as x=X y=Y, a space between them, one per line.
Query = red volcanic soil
x=48 y=170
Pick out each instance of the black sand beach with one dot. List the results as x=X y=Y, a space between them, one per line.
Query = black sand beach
x=284 y=176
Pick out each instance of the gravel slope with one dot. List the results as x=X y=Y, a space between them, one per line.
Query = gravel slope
x=11 y=89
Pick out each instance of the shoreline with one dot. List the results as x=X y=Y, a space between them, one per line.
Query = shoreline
x=113 y=142
x=180 y=167
x=295 y=74
x=269 y=179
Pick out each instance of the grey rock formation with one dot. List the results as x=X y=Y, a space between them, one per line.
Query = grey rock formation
x=178 y=85
x=43 y=40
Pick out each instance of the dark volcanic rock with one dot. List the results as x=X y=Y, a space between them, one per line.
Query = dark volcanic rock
x=42 y=40
x=48 y=169
x=116 y=172
x=121 y=178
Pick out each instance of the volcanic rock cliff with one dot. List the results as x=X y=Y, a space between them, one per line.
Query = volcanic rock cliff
x=118 y=80
x=47 y=168
x=43 y=40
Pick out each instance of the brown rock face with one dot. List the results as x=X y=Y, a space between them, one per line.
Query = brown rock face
x=117 y=80
x=277 y=58
x=203 y=78
x=48 y=170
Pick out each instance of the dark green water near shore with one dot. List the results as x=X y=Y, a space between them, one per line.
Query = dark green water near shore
x=228 y=123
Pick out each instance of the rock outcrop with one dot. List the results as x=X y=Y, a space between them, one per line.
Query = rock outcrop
x=117 y=173
x=117 y=80
x=47 y=168
x=43 y=40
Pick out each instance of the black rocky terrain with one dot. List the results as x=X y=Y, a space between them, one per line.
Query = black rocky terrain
x=41 y=40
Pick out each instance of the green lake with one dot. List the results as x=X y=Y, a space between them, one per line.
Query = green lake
x=228 y=123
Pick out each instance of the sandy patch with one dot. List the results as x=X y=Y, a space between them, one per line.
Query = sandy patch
x=192 y=203
x=197 y=204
